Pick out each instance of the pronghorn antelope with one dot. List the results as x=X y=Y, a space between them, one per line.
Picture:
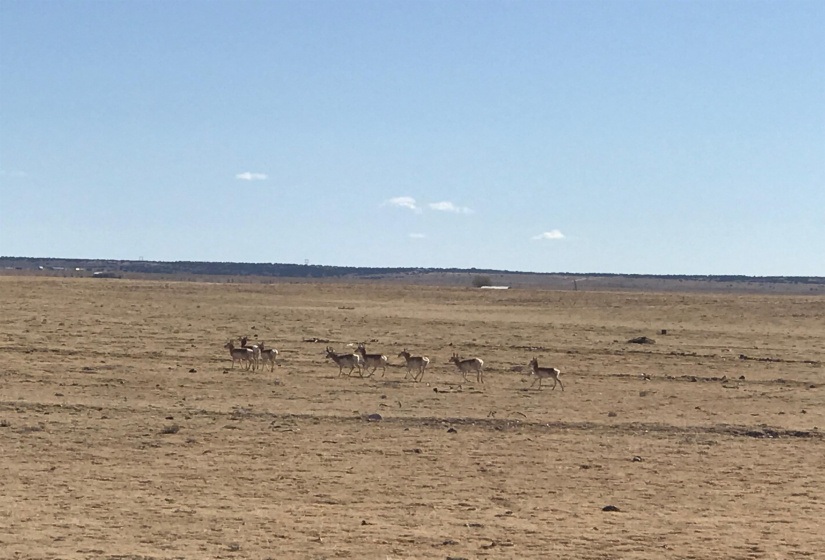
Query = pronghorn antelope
x=468 y=365
x=240 y=354
x=256 y=352
x=544 y=373
x=268 y=355
x=414 y=363
x=351 y=361
x=373 y=360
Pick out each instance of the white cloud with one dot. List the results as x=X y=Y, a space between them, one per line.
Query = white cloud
x=402 y=202
x=418 y=235
x=555 y=234
x=251 y=176
x=450 y=207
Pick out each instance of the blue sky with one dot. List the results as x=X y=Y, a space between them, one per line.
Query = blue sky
x=554 y=136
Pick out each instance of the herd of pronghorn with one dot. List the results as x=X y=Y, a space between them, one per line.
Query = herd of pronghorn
x=252 y=356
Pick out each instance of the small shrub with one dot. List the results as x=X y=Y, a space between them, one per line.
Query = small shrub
x=479 y=281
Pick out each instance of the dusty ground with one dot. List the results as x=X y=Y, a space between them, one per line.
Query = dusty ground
x=125 y=433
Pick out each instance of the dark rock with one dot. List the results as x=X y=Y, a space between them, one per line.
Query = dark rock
x=641 y=340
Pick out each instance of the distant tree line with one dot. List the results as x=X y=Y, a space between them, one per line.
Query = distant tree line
x=286 y=270
x=481 y=276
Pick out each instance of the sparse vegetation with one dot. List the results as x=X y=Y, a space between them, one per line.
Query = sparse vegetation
x=257 y=447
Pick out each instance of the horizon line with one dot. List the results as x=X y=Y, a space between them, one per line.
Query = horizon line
x=417 y=268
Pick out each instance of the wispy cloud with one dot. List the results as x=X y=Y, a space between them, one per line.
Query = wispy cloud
x=402 y=202
x=450 y=207
x=418 y=235
x=410 y=203
x=554 y=234
x=251 y=176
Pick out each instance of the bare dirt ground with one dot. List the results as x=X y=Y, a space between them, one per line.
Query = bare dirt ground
x=125 y=432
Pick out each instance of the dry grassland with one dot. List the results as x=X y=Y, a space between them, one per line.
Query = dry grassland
x=126 y=434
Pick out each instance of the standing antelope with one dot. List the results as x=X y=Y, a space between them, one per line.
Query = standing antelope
x=468 y=365
x=256 y=352
x=268 y=355
x=544 y=373
x=240 y=354
x=414 y=362
x=374 y=360
x=351 y=361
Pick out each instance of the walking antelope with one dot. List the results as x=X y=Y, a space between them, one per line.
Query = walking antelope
x=256 y=352
x=414 y=363
x=240 y=354
x=373 y=360
x=268 y=355
x=351 y=361
x=544 y=373
x=468 y=365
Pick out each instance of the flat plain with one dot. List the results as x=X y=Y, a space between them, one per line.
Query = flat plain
x=126 y=433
